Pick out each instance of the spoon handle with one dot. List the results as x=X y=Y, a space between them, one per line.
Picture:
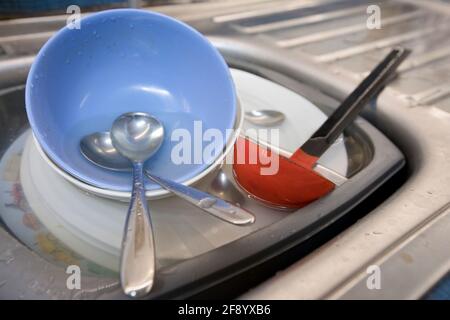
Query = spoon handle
x=137 y=262
x=205 y=201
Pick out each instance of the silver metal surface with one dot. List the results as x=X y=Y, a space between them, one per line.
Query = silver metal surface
x=426 y=192
x=137 y=136
x=329 y=34
x=419 y=126
x=285 y=6
x=265 y=117
x=99 y=149
x=207 y=202
x=271 y=228
x=353 y=104
x=382 y=43
x=222 y=187
x=321 y=17
x=332 y=265
x=419 y=256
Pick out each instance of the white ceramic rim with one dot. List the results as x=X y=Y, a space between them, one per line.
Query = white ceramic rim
x=150 y=194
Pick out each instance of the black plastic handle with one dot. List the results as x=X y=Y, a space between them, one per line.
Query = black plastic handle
x=349 y=109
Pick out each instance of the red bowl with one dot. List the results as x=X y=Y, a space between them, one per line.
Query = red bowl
x=292 y=185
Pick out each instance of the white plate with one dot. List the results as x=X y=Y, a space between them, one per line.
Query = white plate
x=15 y=210
x=25 y=225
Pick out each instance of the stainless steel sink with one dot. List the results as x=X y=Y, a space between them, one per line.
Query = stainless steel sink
x=298 y=44
x=373 y=159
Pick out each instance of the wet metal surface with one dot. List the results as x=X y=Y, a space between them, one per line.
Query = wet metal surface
x=327 y=44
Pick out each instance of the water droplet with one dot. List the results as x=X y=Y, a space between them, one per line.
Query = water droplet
x=67 y=61
x=7 y=256
x=206 y=203
x=131 y=26
x=170 y=269
x=94 y=32
x=33 y=284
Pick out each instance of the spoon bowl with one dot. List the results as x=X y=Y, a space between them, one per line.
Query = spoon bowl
x=137 y=136
x=98 y=149
x=265 y=117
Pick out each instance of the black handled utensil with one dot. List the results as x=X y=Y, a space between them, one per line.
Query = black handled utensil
x=349 y=109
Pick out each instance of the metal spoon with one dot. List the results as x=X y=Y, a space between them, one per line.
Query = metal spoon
x=222 y=187
x=137 y=136
x=98 y=148
x=265 y=117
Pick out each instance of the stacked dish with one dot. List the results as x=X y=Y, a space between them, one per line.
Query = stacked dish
x=121 y=84
x=123 y=61
x=92 y=226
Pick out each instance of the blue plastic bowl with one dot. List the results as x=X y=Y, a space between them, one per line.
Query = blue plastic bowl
x=121 y=61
